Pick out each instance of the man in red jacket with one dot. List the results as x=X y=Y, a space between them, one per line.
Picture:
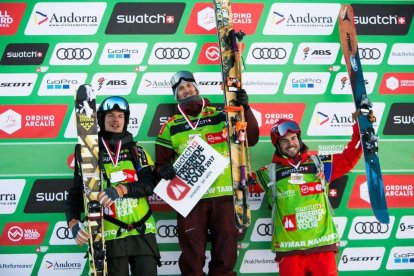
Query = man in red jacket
x=304 y=237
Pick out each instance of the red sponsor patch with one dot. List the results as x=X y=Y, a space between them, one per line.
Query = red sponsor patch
x=215 y=138
x=399 y=192
x=267 y=114
x=209 y=54
x=397 y=83
x=245 y=17
x=31 y=121
x=289 y=222
x=311 y=188
x=24 y=233
x=10 y=17
x=177 y=189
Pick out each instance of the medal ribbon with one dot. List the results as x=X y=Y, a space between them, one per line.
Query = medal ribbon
x=188 y=120
x=118 y=150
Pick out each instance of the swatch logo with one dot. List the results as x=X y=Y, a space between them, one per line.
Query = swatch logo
x=383 y=19
x=400 y=120
x=24 y=54
x=145 y=18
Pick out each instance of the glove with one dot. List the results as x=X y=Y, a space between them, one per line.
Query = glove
x=242 y=98
x=108 y=197
x=167 y=171
x=79 y=232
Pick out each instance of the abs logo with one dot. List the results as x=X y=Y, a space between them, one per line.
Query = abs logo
x=145 y=18
x=316 y=53
x=383 y=19
x=113 y=83
x=172 y=53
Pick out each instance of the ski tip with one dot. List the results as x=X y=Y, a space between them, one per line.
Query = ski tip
x=382 y=216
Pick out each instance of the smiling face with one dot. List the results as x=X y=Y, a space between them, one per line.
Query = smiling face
x=114 y=121
x=289 y=145
x=186 y=89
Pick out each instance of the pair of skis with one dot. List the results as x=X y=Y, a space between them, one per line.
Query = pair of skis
x=231 y=67
x=366 y=118
x=88 y=157
x=231 y=74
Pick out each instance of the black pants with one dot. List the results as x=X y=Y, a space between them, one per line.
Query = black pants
x=216 y=215
x=140 y=266
x=132 y=251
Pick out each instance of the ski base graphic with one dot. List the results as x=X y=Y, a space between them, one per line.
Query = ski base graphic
x=366 y=118
x=88 y=156
x=231 y=73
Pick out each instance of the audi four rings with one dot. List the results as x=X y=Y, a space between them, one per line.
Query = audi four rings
x=172 y=53
x=74 y=53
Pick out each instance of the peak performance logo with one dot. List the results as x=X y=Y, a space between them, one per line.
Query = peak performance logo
x=383 y=19
x=145 y=18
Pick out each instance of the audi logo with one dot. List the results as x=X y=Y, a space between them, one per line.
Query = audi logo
x=167 y=231
x=269 y=53
x=369 y=53
x=371 y=228
x=63 y=233
x=172 y=53
x=74 y=53
x=264 y=229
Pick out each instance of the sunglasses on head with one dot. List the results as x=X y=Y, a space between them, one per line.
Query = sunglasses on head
x=115 y=103
x=283 y=128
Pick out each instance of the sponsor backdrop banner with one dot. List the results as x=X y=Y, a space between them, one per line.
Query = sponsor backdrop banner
x=294 y=68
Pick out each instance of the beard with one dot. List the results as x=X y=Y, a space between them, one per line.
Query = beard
x=192 y=105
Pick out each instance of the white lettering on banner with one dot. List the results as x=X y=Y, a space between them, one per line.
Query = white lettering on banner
x=197 y=168
x=124 y=206
x=309 y=216
x=310 y=242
